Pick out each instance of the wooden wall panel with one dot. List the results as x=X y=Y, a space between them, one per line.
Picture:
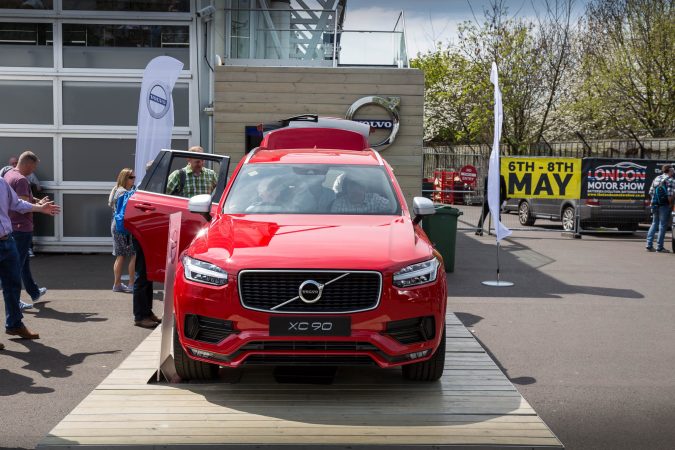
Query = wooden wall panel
x=251 y=95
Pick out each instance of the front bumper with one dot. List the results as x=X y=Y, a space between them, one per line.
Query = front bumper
x=384 y=336
x=605 y=215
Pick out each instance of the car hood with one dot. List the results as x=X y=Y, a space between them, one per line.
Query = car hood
x=306 y=241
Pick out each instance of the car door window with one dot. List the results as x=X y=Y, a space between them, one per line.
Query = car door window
x=180 y=175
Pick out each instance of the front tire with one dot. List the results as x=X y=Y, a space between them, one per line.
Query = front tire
x=188 y=368
x=525 y=216
x=568 y=218
x=429 y=370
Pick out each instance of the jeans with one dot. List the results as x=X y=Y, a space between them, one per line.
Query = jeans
x=142 y=302
x=660 y=222
x=24 y=239
x=10 y=277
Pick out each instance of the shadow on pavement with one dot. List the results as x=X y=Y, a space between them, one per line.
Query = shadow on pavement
x=13 y=383
x=469 y=320
x=519 y=264
x=41 y=310
x=48 y=361
x=77 y=272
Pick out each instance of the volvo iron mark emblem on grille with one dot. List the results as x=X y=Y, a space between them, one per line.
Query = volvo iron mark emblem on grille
x=310 y=291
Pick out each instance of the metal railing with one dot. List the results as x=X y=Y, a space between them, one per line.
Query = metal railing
x=310 y=36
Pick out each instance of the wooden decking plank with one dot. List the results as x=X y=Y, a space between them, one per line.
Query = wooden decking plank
x=231 y=423
x=292 y=440
x=343 y=418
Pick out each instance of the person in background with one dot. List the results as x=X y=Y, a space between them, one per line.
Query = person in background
x=661 y=212
x=11 y=163
x=10 y=267
x=122 y=245
x=486 y=207
x=143 y=288
x=35 y=186
x=22 y=224
x=193 y=179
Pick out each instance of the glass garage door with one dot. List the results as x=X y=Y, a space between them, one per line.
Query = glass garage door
x=70 y=77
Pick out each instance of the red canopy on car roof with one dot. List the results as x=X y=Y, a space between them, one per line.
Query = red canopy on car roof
x=326 y=138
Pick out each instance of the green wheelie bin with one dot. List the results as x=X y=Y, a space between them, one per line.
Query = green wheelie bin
x=441 y=228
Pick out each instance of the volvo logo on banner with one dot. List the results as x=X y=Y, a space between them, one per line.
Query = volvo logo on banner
x=158 y=101
x=155 y=110
x=390 y=105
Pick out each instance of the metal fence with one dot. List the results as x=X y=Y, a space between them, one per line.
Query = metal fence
x=469 y=199
x=456 y=156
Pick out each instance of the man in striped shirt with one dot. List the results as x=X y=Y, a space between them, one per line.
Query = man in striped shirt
x=193 y=179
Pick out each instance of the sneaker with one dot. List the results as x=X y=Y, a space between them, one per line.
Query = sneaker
x=23 y=306
x=30 y=253
x=650 y=249
x=662 y=250
x=42 y=291
x=122 y=288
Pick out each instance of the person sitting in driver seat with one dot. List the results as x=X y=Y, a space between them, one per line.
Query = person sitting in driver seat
x=193 y=179
x=311 y=197
x=355 y=200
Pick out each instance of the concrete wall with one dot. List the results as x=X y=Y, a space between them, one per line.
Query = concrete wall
x=251 y=95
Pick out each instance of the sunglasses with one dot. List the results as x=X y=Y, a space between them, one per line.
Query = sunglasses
x=132 y=177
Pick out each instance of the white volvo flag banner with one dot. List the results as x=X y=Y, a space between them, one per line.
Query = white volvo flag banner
x=493 y=171
x=155 y=110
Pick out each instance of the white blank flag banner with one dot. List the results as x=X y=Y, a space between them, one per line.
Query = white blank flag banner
x=155 y=110
x=493 y=171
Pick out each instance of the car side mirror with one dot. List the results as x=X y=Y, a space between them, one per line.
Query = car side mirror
x=201 y=204
x=422 y=206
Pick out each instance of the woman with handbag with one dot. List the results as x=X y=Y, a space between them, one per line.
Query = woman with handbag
x=122 y=246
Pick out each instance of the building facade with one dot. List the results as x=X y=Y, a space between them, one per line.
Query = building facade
x=71 y=71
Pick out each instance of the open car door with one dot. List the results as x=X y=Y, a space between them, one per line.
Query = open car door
x=147 y=213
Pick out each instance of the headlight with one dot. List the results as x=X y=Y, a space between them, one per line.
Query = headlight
x=203 y=272
x=416 y=274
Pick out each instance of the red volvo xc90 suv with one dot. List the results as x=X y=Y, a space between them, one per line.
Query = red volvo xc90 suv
x=309 y=256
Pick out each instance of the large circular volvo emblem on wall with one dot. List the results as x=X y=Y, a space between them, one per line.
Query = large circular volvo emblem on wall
x=158 y=100
x=390 y=105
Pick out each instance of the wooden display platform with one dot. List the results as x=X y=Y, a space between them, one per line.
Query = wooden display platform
x=474 y=405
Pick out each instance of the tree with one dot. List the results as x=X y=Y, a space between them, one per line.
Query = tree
x=627 y=75
x=448 y=103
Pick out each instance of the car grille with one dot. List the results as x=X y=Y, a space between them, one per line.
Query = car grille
x=319 y=346
x=412 y=331
x=264 y=289
x=309 y=360
x=207 y=329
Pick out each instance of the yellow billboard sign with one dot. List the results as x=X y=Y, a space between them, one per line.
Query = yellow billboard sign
x=536 y=177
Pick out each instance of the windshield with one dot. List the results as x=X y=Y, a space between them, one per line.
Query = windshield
x=312 y=189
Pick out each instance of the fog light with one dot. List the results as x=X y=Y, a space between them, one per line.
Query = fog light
x=418 y=355
x=201 y=353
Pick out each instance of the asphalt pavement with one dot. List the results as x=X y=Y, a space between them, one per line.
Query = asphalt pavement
x=86 y=330
x=587 y=335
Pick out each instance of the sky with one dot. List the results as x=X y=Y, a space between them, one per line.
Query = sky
x=430 y=21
